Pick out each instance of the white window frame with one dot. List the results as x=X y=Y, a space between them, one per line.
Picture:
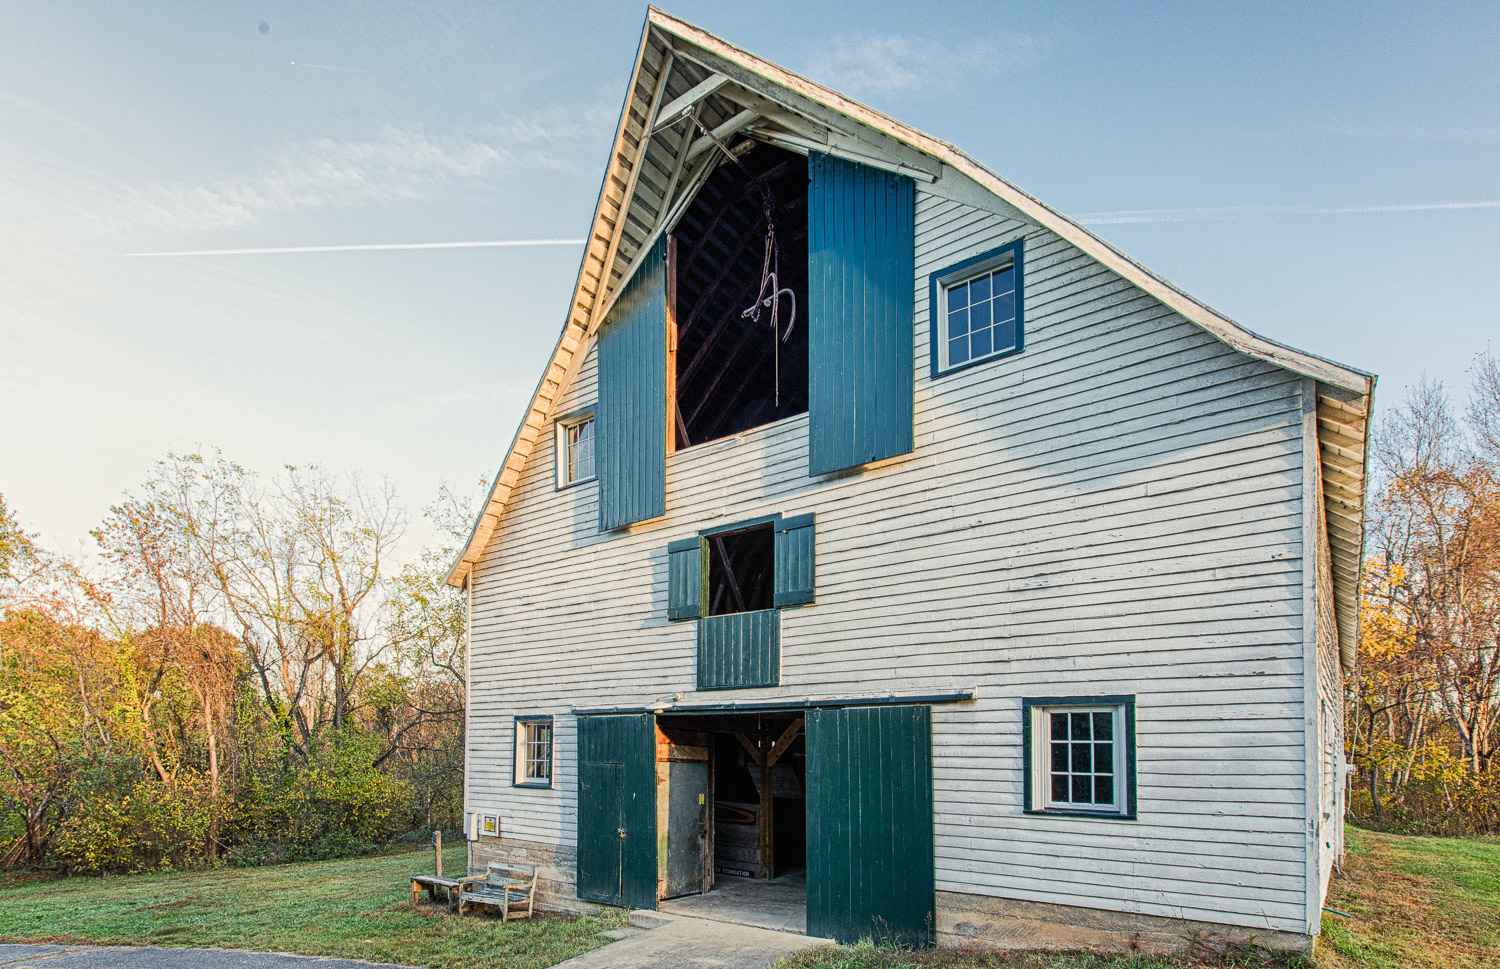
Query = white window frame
x=965 y=272
x=1041 y=759
x=564 y=457
x=522 y=749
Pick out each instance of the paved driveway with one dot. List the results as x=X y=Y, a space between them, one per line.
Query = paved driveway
x=148 y=957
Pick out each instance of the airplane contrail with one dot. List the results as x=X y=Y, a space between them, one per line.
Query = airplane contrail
x=370 y=247
x=1229 y=212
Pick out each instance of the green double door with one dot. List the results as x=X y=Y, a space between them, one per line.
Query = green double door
x=869 y=824
x=617 y=809
x=869 y=819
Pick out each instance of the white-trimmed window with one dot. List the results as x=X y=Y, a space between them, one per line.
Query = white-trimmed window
x=533 y=752
x=1080 y=755
x=976 y=309
x=575 y=449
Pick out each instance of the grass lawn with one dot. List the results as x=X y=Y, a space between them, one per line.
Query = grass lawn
x=1418 y=903
x=360 y=908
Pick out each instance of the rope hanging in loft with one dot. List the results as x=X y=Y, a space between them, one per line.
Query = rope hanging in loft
x=770 y=292
x=768 y=296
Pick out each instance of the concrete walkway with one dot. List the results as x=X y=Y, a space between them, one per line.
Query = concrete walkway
x=150 y=957
x=691 y=943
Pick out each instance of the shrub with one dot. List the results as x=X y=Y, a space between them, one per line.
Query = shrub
x=141 y=824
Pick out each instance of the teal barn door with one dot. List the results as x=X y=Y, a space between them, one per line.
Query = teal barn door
x=869 y=824
x=617 y=809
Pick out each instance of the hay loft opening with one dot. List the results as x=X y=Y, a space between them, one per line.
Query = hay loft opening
x=741 y=310
x=740 y=570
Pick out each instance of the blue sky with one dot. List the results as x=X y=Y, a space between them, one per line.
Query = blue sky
x=1279 y=162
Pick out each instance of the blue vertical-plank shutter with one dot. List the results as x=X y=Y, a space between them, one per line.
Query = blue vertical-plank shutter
x=796 y=572
x=860 y=290
x=687 y=579
x=632 y=411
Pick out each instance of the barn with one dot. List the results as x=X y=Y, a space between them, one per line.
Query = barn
x=883 y=554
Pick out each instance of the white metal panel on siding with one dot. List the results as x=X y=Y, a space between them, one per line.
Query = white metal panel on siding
x=1117 y=509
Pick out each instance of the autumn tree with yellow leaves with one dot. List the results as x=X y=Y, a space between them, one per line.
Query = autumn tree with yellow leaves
x=1425 y=699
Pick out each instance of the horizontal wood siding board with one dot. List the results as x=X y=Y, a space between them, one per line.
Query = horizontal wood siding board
x=1113 y=508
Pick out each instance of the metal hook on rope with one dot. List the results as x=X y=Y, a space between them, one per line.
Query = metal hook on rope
x=768 y=296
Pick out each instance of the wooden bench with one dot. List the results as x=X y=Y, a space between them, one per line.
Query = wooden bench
x=510 y=888
x=450 y=887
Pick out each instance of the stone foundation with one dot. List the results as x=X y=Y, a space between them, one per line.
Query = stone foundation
x=1013 y=924
x=961 y=918
x=556 y=870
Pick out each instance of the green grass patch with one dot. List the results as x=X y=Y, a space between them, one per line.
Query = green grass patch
x=1417 y=902
x=359 y=908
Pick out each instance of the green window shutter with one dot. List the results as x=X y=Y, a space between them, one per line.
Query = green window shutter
x=861 y=285
x=740 y=649
x=631 y=416
x=796 y=571
x=687 y=579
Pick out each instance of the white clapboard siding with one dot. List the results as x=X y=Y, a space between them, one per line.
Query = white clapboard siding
x=1117 y=509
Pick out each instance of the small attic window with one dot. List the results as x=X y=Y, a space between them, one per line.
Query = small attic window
x=740 y=570
x=575 y=449
x=741 y=342
x=976 y=309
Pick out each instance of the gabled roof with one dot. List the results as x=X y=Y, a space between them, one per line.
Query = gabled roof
x=690 y=89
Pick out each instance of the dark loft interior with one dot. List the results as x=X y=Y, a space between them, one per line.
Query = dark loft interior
x=735 y=371
x=740 y=569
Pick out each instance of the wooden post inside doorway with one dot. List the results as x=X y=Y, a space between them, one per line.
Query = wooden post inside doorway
x=765 y=757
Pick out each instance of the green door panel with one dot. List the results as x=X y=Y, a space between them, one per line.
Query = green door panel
x=617 y=809
x=869 y=824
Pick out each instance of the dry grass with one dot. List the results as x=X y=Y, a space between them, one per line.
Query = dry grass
x=1417 y=902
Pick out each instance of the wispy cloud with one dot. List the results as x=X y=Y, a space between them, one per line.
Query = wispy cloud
x=1228 y=213
x=367 y=247
x=879 y=63
x=399 y=163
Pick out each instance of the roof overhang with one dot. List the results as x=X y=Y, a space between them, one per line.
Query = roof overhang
x=689 y=89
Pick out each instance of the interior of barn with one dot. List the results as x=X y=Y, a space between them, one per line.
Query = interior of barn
x=731 y=799
x=737 y=264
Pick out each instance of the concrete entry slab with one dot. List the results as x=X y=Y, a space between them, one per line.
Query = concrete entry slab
x=695 y=943
x=770 y=903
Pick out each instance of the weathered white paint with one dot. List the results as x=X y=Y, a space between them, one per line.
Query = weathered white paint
x=1121 y=508
x=793 y=108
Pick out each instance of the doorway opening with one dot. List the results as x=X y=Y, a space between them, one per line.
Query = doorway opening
x=737 y=264
x=731 y=799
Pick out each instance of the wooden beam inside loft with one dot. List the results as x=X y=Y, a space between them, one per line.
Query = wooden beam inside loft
x=734 y=585
x=784 y=742
x=750 y=748
x=721 y=133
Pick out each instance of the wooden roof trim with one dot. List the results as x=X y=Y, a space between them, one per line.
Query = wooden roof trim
x=1344 y=455
x=777 y=86
x=1326 y=371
